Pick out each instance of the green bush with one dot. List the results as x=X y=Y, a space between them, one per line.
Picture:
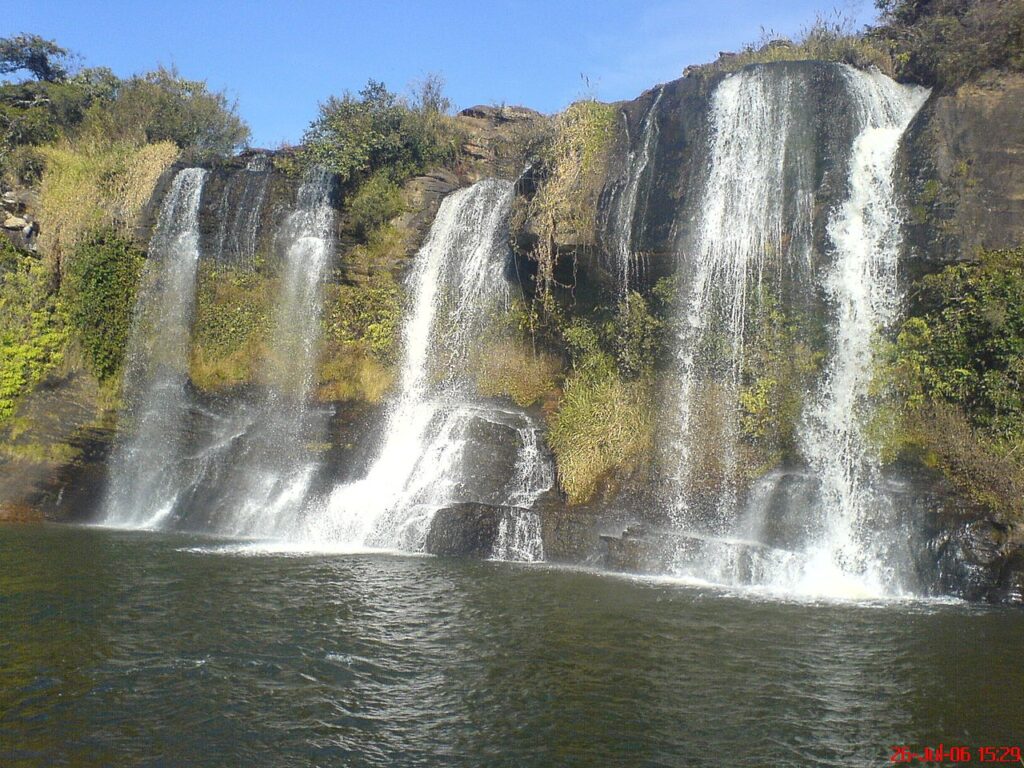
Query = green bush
x=949 y=42
x=33 y=333
x=954 y=380
x=163 y=106
x=601 y=433
x=375 y=202
x=356 y=135
x=100 y=287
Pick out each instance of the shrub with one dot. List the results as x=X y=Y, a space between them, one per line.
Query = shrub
x=33 y=333
x=356 y=135
x=953 y=378
x=100 y=288
x=949 y=42
x=602 y=432
x=377 y=201
x=163 y=106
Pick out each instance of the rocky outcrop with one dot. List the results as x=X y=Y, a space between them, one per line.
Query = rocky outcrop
x=54 y=449
x=495 y=140
x=464 y=530
x=963 y=173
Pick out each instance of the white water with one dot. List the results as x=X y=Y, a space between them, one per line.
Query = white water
x=276 y=470
x=863 y=289
x=746 y=207
x=756 y=210
x=624 y=211
x=457 y=283
x=144 y=481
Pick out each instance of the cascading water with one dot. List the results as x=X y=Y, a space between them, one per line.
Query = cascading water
x=825 y=531
x=275 y=470
x=752 y=215
x=239 y=215
x=863 y=288
x=144 y=481
x=624 y=210
x=457 y=283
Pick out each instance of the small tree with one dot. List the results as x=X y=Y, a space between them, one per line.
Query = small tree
x=44 y=59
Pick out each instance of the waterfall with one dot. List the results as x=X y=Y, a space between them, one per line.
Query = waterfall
x=457 y=284
x=756 y=209
x=275 y=471
x=624 y=209
x=826 y=529
x=863 y=289
x=144 y=479
x=239 y=216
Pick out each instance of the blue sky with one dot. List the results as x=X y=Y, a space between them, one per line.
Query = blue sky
x=279 y=60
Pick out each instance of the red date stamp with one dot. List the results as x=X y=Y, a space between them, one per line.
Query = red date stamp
x=955 y=755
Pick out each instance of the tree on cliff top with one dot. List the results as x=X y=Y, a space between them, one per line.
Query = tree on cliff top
x=43 y=59
x=376 y=129
x=163 y=106
x=949 y=42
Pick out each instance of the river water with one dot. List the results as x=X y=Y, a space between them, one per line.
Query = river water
x=135 y=648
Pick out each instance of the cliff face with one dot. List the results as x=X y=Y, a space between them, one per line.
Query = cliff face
x=963 y=173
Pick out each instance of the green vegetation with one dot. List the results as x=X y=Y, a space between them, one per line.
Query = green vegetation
x=572 y=163
x=602 y=432
x=33 y=332
x=954 y=379
x=950 y=42
x=828 y=38
x=362 y=320
x=163 y=106
x=779 y=366
x=602 y=427
x=93 y=146
x=231 y=324
x=100 y=295
x=378 y=131
x=375 y=202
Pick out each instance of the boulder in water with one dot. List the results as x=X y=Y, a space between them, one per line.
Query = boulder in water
x=464 y=530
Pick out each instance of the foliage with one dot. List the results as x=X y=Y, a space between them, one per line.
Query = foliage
x=90 y=185
x=954 y=378
x=602 y=431
x=375 y=202
x=362 y=319
x=510 y=368
x=231 y=325
x=33 y=334
x=99 y=291
x=949 y=42
x=779 y=366
x=43 y=59
x=828 y=38
x=163 y=106
x=573 y=166
x=376 y=130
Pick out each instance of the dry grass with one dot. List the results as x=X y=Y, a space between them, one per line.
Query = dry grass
x=510 y=369
x=353 y=375
x=93 y=184
x=602 y=432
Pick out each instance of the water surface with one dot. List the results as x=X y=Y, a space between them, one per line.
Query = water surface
x=123 y=648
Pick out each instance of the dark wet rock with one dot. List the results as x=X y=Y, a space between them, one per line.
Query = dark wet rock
x=55 y=450
x=464 y=530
